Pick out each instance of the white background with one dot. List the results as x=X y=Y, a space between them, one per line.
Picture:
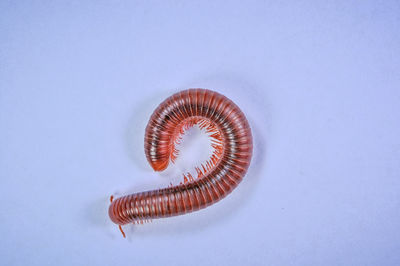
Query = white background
x=318 y=80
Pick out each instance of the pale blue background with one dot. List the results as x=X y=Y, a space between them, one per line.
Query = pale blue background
x=318 y=80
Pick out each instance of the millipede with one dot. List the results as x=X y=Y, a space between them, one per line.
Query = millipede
x=232 y=144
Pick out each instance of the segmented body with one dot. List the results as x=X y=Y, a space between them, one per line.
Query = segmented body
x=216 y=178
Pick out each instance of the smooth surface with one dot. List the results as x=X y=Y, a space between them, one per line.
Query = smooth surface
x=319 y=82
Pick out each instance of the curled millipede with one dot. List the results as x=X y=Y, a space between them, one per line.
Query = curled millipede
x=230 y=137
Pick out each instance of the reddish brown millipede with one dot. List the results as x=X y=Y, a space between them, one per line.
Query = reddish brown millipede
x=232 y=142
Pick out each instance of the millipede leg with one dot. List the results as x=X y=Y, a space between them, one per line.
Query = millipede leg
x=122 y=231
